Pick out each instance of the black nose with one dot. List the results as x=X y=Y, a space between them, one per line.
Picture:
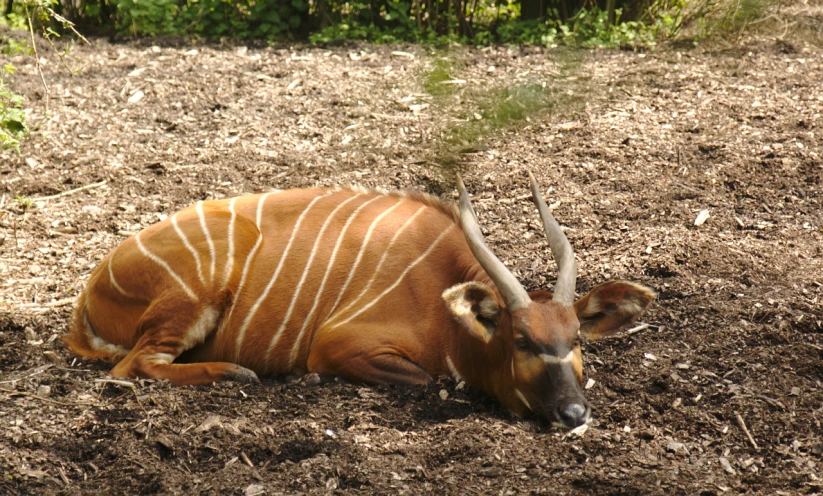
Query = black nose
x=573 y=414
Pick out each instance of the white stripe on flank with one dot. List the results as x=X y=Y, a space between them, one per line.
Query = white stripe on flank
x=453 y=369
x=188 y=246
x=244 y=274
x=159 y=261
x=205 y=228
x=399 y=279
x=273 y=279
x=556 y=360
x=383 y=259
x=332 y=259
x=360 y=253
x=113 y=281
x=296 y=346
x=230 y=255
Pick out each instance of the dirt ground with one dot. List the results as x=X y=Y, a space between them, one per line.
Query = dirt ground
x=721 y=393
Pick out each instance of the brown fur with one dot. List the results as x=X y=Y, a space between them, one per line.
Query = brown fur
x=372 y=313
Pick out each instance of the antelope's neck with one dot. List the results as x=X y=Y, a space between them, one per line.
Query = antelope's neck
x=486 y=366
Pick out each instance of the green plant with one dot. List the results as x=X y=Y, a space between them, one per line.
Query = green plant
x=13 y=125
x=15 y=47
x=25 y=202
x=146 y=17
x=468 y=114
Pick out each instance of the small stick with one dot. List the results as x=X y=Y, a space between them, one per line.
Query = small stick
x=115 y=381
x=48 y=400
x=57 y=303
x=637 y=329
x=246 y=460
x=63 y=476
x=70 y=192
x=746 y=430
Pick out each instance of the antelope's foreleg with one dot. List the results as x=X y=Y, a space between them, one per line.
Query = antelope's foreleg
x=350 y=355
x=170 y=326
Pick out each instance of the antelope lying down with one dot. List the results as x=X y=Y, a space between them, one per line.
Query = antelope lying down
x=379 y=288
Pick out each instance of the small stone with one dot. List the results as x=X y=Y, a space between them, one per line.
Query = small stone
x=724 y=462
x=444 y=394
x=210 y=422
x=646 y=434
x=254 y=490
x=702 y=217
x=35 y=269
x=165 y=442
x=44 y=391
x=795 y=391
x=92 y=210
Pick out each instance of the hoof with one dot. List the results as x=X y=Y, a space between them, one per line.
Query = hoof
x=312 y=379
x=242 y=375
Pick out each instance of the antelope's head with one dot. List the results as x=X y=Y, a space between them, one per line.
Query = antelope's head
x=536 y=336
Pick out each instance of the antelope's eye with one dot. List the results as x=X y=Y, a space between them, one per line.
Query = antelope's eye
x=522 y=344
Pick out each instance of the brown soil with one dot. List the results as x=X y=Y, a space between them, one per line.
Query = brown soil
x=635 y=147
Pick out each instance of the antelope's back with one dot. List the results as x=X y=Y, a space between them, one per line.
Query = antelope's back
x=280 y=267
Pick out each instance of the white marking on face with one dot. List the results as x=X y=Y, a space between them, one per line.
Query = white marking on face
x=201 y=329
x=402 y=276
x=360 y=253
x=522 y=398
x=455 y=374
x=556 y=360
x=230 y=255
x=189 y=247
x=273 y=278
x=154 y=258
x=296 y=345
x=244 y=274
x=383 y=259
x=206 y=233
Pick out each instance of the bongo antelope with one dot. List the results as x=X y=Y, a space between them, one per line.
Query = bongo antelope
x=375 y=288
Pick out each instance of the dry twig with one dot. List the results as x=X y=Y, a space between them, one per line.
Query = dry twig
x=47 y=400
x=745 y=429
x=635 y=330
x=69 y=192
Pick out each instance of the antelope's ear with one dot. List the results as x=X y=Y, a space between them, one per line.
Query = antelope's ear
x=475 y=306
x=610 y=306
